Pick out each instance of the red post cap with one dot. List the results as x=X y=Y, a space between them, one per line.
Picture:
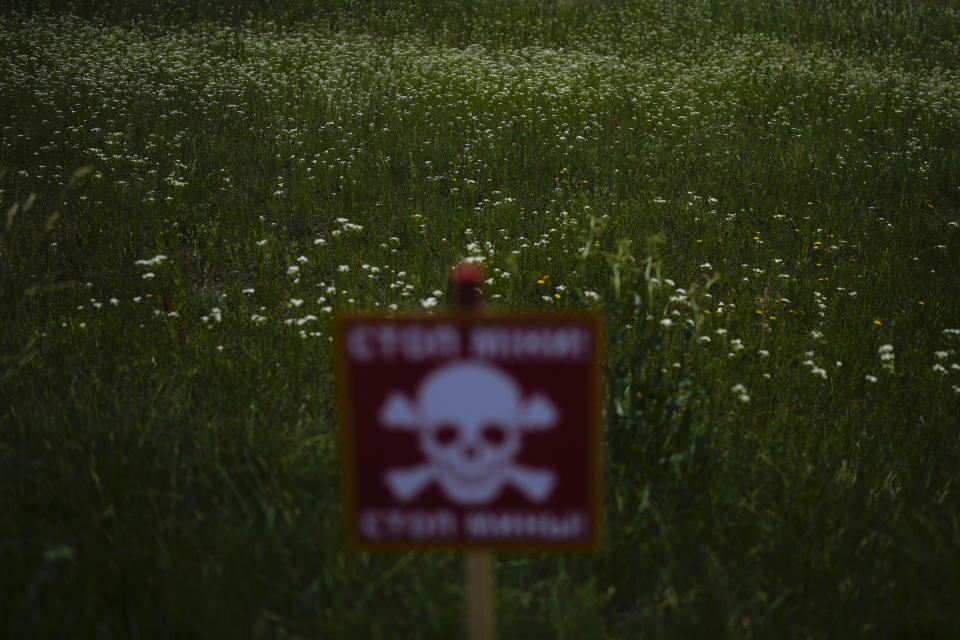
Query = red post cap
x=465 y=285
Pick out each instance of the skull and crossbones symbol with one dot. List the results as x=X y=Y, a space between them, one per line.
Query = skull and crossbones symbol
x=470 y=417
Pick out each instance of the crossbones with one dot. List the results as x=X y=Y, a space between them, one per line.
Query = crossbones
x=470 y=417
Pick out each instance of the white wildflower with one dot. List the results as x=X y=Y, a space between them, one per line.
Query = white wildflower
x=741 y=392
x=154 y=261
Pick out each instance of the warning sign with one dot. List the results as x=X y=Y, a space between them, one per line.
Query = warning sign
x=468 y=430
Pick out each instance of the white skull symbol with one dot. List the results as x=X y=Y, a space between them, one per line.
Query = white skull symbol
x=470 y=417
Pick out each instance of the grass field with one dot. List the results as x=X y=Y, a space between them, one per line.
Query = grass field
x=763 y=198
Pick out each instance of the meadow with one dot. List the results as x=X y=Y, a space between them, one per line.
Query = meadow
x=762 y=198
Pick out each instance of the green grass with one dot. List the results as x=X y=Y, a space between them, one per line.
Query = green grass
x=759 y=197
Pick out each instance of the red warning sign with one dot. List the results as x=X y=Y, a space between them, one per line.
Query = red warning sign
x=465 y=430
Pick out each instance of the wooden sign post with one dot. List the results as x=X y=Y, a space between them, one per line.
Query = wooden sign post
x=472 y=431
x=465 y=289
